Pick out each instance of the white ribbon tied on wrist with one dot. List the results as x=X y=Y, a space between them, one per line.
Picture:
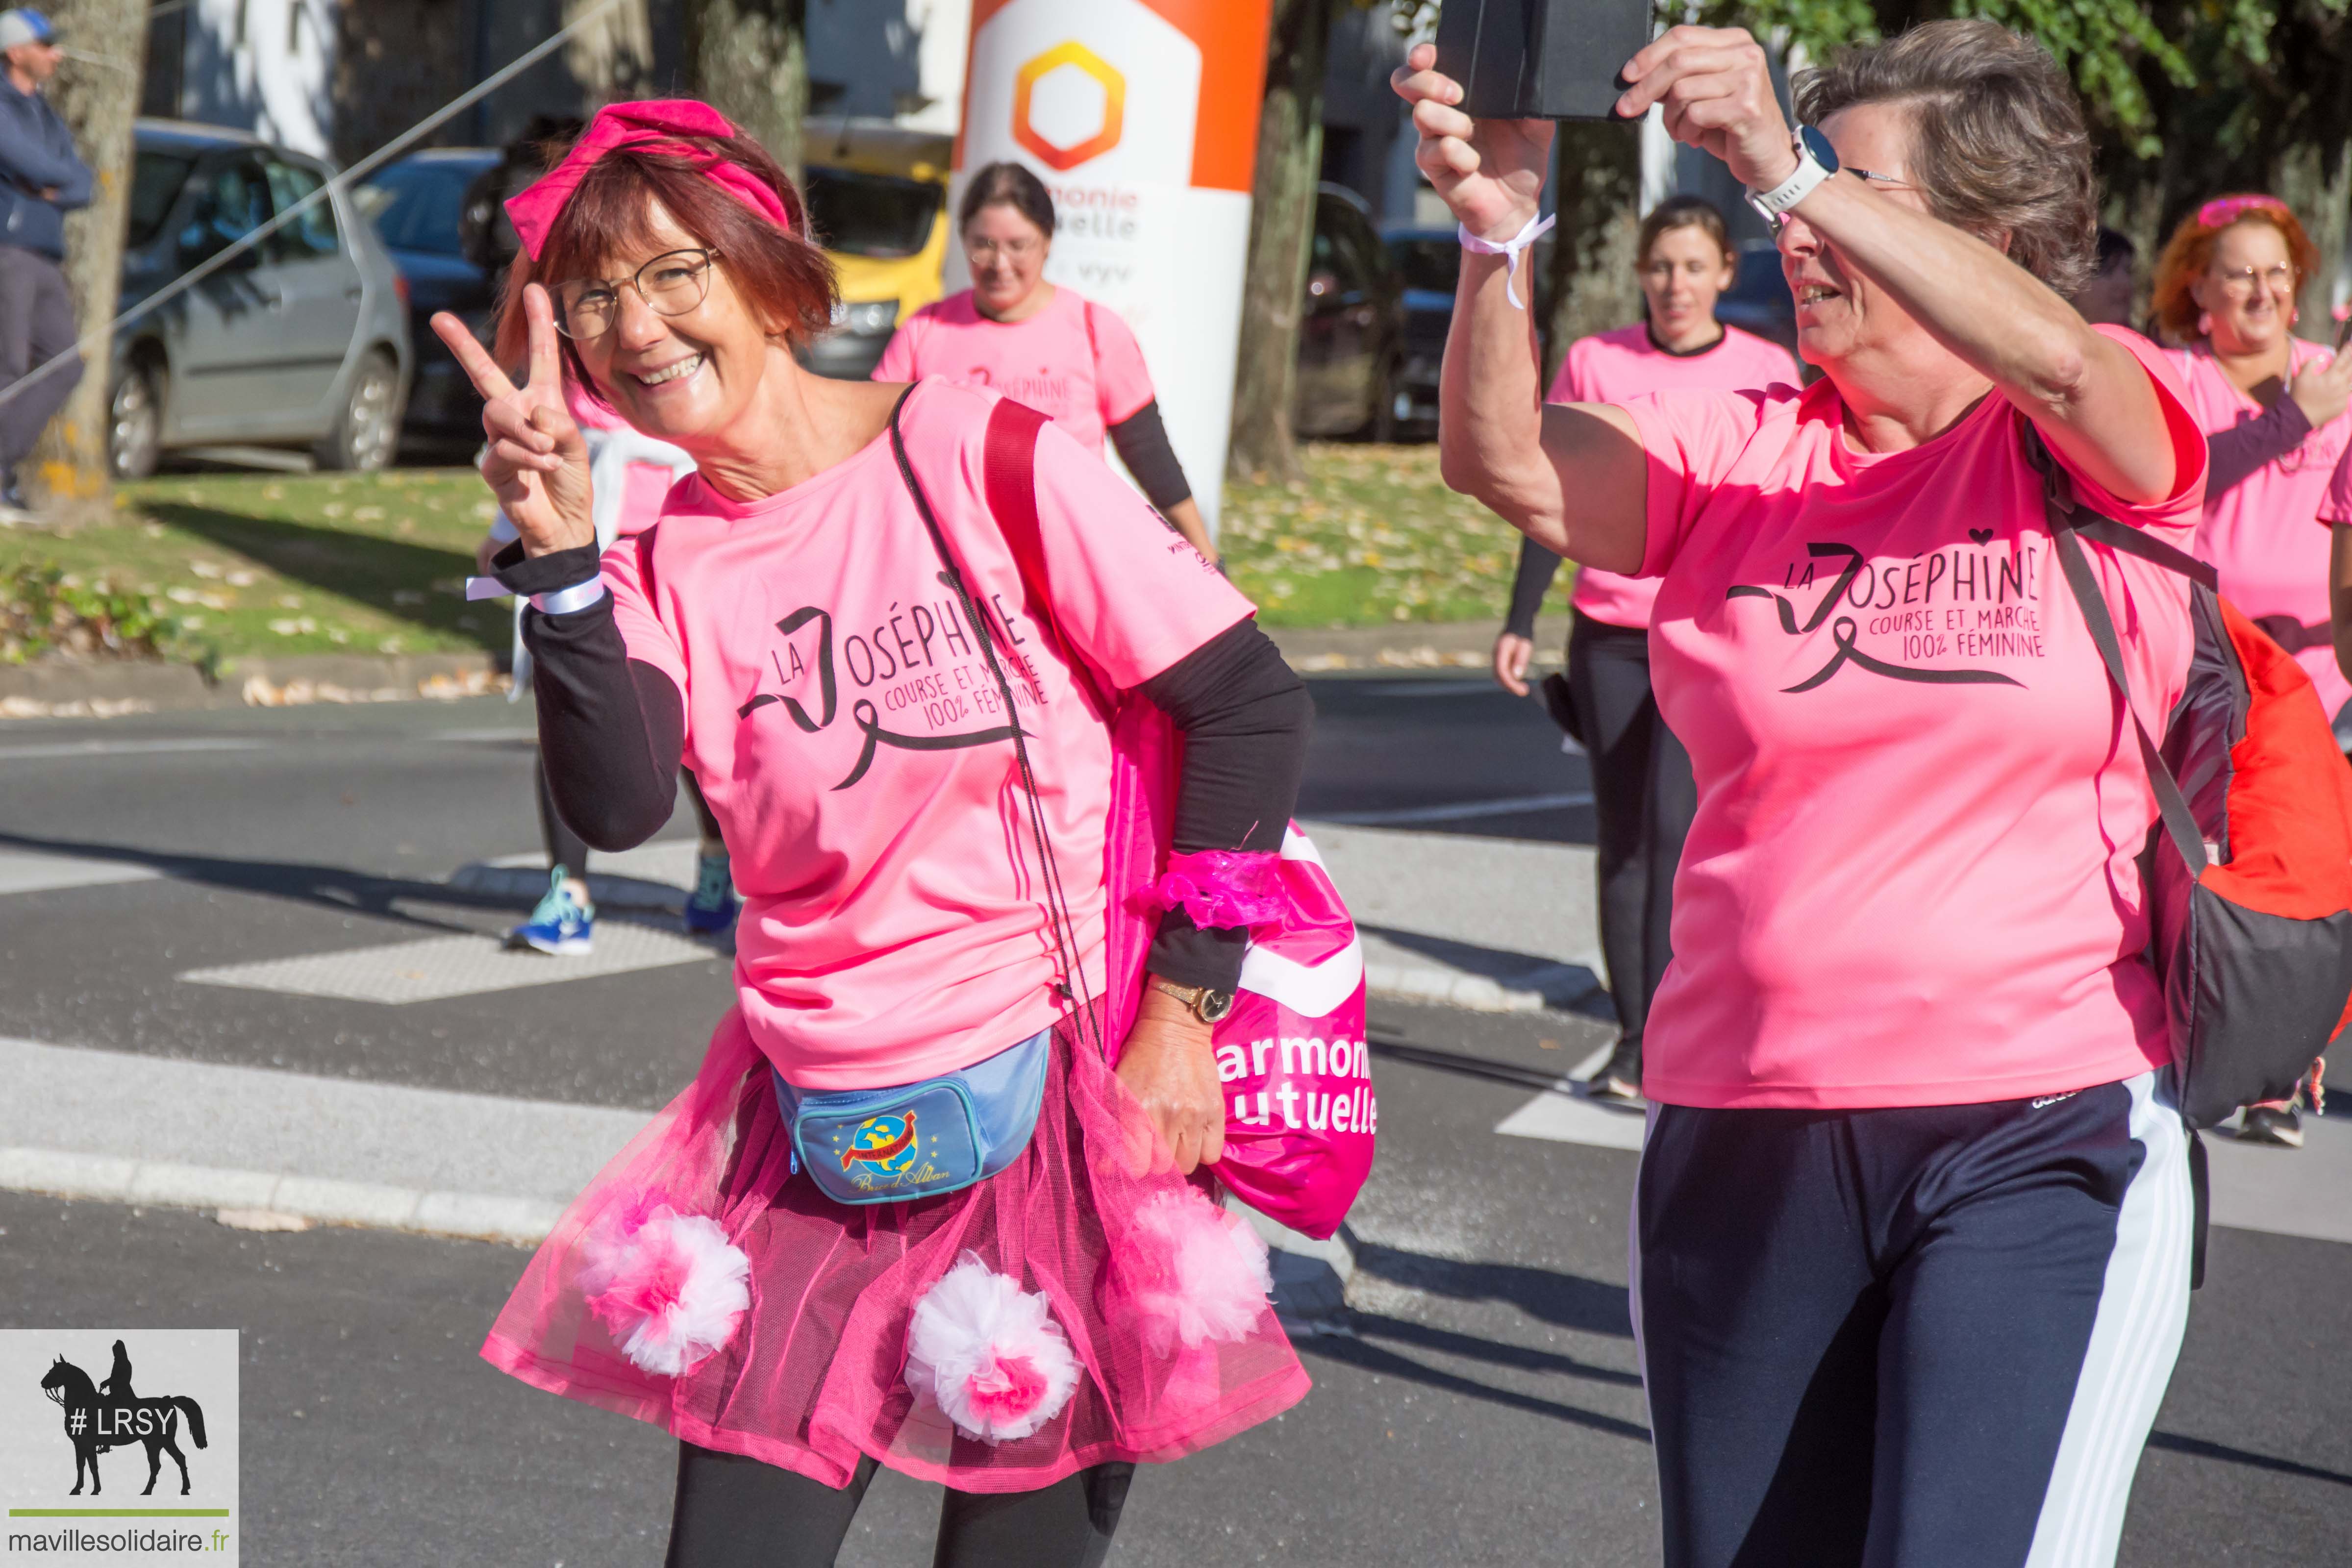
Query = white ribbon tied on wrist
x=563 y=601
x=1537 y=227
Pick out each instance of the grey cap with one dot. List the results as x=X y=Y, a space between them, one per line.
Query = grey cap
x=24 y=25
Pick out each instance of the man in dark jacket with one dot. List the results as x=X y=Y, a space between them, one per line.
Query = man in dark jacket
x=41 y=178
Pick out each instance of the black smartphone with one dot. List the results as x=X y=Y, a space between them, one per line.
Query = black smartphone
x=1540 y=59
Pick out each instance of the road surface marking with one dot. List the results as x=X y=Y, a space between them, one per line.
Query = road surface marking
x=1455 y=812
x=125 y=747
x=463 y=966
x=24 y=871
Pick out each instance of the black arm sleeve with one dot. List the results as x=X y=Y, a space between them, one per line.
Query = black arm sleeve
x=2234 y=453
x=611 y=729
x=1245 y=718
x=1142 y=443
x=1537 y=568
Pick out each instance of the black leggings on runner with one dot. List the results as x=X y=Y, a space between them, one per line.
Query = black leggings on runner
x=1643 y=803
x=567 y=850
x=737 y=1512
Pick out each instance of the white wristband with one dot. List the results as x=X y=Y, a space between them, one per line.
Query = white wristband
x=563 y=601
x=1537 y=227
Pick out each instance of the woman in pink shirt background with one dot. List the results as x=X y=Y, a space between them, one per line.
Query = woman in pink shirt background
x=2276 y=407
x=1039 y=343
x=1642 y=793
x=1911 y=1231
x=902 y=729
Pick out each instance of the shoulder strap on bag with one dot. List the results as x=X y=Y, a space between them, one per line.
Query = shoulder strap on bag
x=2067 y=518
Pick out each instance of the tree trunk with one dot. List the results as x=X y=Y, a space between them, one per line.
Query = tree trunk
x=1282 y=225
x=1590 y=280
x=748 y=59
x=2322 y=197
x=97 y=99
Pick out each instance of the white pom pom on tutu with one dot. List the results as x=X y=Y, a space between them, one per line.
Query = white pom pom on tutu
x=669 y=1287
x=989 y=1354
x=1187 y=1272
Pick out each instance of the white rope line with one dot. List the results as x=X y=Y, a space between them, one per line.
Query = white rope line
x=365 y=166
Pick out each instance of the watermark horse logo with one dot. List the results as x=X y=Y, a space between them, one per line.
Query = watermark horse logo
x=116 y=1418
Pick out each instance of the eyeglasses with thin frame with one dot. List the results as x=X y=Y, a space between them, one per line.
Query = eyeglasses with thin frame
x=670 y=284
x=2244 y=282
x=1019 y=249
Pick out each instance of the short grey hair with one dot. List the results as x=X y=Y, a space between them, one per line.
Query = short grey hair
x=1997 y=143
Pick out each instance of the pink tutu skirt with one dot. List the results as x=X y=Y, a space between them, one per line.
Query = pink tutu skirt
x=815 y=1371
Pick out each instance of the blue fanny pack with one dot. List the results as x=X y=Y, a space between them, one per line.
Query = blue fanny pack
x=918 y=1140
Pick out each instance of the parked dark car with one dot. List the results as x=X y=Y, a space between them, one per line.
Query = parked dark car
x=1759 y=300
x=417 y=205
x=1351 y=333
x=299 y=341
x=1430 y=261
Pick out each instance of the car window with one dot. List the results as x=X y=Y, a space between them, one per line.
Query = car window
x=1427 y=262
x=309 y=235
x=856 y=213
x=1356 y=268
x=232 y=201
x=416 y=206
x=155 y=180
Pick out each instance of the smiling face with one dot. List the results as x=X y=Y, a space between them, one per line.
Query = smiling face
x=680 y=378
x=1007 y=252
x=1684 y=275
x=1840 y=316
x=2247 y=289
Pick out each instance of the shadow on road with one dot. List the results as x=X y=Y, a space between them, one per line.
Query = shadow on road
x=1454 y=1061
x=387 y=575
x=1567 y=1301
x=1526 y=1358
x=2198 y=1447
x=1372 y=1358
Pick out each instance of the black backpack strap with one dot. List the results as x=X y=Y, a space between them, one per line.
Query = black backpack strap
x=2067 y=519
x=2201 y=1207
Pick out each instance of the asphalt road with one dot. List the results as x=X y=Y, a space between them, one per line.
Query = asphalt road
x=1484 y=1407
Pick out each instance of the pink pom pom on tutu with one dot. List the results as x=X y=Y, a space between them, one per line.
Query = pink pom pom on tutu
x=1224 y=888
x=989 y=1354
x=669 y=1287
x=1187 y=1272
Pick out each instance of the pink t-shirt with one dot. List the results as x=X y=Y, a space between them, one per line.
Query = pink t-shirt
x=843 y=725
x=1910 y=880
x=1610 y=367
x=1075 y=361
x=2258 y=535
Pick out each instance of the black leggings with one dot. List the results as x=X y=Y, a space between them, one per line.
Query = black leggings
x=1643 y=803
x=567 y=850
x=737 y=1513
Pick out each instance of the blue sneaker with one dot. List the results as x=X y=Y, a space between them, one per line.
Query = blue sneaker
x=711 y=907
x=561 y=925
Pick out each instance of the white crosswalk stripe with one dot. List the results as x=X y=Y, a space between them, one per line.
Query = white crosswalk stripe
x=23 y=871
x=461 y=966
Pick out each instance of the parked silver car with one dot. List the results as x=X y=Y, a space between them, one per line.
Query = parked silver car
x=302 y=341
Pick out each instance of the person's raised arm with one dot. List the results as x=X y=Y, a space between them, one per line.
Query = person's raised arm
x=1498 y=441
x=2089 y=396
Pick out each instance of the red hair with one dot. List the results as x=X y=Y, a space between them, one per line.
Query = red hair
x=2189 y=252
x=784 y=276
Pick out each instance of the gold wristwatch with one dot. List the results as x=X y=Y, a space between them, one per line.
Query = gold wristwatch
x=1208 y=1006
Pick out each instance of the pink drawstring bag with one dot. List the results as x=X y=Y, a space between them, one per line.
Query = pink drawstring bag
x=1300 y=1115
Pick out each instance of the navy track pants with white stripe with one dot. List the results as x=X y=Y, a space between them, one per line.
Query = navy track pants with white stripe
x=1927 y=1337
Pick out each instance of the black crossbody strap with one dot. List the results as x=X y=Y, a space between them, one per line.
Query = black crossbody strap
x=2066 y=520
x=1055 y=903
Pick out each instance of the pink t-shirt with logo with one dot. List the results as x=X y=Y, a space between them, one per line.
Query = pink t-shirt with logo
x=2258 y=535
x=843 y=725
x=1910 y=880
x=1609 y=366
x=1075 y=361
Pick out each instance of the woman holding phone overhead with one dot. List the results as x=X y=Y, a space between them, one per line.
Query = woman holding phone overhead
x=1042 y=344
x=1911 y=1229
x=907 y=1214
x=1642 y=794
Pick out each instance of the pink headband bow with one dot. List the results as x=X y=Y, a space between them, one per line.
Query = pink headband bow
x=641 y=127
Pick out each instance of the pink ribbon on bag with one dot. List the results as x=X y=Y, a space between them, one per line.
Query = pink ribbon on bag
x=651 y=126
x=1224 y=888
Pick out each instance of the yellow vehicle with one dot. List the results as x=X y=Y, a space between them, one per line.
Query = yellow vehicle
x=878 y=198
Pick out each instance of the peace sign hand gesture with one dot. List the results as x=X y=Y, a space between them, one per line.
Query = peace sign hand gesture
x=537 y=464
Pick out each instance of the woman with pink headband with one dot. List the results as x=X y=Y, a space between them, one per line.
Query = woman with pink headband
x=907 y=1214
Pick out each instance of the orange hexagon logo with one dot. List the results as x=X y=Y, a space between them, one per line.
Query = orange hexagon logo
x=1067 y=105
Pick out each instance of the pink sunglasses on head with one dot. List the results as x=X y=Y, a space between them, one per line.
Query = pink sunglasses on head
x=2223 y=210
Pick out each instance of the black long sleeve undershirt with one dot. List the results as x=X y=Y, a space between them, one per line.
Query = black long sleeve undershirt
x=1142 y=442
x=612 y=729
x=2233 y=455
x=1537 y=566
